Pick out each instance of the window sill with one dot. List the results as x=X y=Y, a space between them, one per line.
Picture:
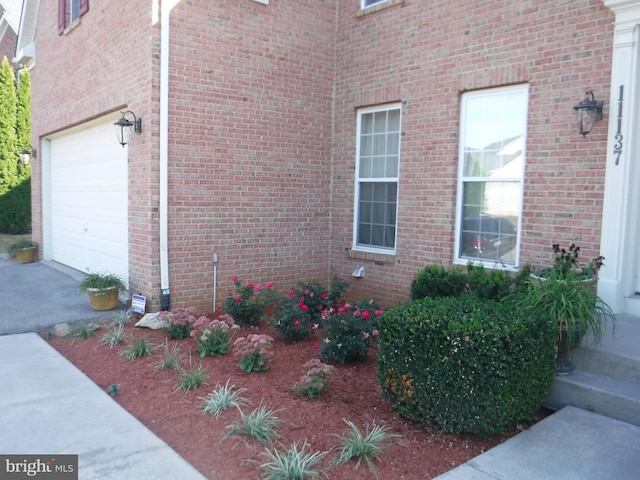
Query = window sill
x=71 y=27
x=377 y=258
x=379 y=6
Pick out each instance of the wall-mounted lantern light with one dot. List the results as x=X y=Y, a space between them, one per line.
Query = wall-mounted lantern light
x=589 y=110
x=123 y=127
x=26 y=155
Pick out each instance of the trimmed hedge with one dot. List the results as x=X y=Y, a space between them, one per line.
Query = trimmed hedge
x=436 y=281
x=465 y=365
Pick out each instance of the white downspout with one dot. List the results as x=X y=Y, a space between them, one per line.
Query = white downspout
x=165 y=11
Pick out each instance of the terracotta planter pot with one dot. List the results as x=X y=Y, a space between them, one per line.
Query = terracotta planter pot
x=26 y=255
x=102 y=300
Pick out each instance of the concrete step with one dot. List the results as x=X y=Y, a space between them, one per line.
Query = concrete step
x=607 y=377
x=597 y=393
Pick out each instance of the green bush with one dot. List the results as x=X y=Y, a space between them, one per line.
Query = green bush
x=435 y=281
x=465 y=365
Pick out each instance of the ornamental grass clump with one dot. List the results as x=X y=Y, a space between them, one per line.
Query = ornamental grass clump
x=292 y=464
x=249 y=302
x=315 y=379
x=213 y=335
x=172 y=358
x=260 y=424
x=223 y=398
x=180 y=322
x=349 y=331
x=192 y=378
x=139 y=347
x=367 y=446
x=254 y=352
x=114 y=336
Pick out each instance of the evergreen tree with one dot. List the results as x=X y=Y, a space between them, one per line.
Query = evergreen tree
x=23 y=121
x=8 y=139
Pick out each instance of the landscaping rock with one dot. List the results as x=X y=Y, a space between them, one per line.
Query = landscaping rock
x=61 y=330
x=152 y=321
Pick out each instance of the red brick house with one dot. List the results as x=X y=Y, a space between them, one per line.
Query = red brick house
x=298 y=139
x=9 y=25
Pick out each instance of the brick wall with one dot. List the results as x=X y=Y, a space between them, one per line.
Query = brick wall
x=426 y=54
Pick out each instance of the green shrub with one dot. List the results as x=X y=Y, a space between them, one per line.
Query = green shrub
x=435 y=281
x=465 y=365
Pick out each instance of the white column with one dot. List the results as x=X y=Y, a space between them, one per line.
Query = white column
x=620 y=207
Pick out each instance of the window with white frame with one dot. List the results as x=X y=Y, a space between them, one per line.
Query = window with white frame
x=490 y=176
x=368 y=3
x=376 y=189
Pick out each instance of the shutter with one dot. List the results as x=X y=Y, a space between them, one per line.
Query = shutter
x=84 y=7
x=62 y=16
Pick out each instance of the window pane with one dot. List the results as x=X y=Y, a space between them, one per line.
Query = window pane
x=493 y=128
x=490 y=218
x=366 y=123
x=377 y=207
x=380 y=122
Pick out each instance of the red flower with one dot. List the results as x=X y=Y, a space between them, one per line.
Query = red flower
x=234 y=279
x=250 y=284
x=365 y=314
x=316 y=346
x=238 y=300
x=325 y=296
x=292 y=293
x=297 y=323
x=269 y=285
x=303 y=307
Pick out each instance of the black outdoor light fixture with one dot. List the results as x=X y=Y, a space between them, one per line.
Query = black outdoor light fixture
x=26 y=155
x=589 y=110
x=123 y=127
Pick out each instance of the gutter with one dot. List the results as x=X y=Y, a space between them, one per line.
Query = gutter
x=166 y=6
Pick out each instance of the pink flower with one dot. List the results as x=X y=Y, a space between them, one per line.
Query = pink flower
x=234 y=279
x=250 y=284
x=340 y=309
x=375 y=333
x=269 y=285
x=258 y=287
x=292 y=293
x=297 y=323
x=365 y=314
x=316 y=346
x=347 y=305
x=303 y=307
x=379 y=312
x=356 y=313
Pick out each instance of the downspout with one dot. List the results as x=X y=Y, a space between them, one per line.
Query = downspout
x=166 y=6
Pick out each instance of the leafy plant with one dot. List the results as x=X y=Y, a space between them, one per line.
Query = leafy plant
x=367 y=447
x=114 y=336
x=299 y=309
x=564 y=299
x=248 y=303
x=82 y=330
x=349 y=331
x=192 y=378
x=180 y=322
x=139 y=347
x=315 y=379
x=292 y=464
x=101 y=281
x=213 y=335
x=259 y=424
x=254 y=352
x=172 y=358
x=222 y=398
x=566 y=262
x=21 y=244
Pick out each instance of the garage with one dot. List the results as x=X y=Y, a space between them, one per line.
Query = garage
x=88 y=192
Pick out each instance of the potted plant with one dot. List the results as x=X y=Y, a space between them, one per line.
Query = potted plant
x=103 y=289
x=565 y=294
x=23 y=250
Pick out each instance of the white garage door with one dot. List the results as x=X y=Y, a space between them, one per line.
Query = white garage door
x=89 y=201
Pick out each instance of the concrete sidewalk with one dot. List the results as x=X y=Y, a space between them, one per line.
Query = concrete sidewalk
x=49 y=407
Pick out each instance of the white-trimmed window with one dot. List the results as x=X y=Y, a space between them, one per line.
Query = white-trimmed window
x=490 y=176
x=368 y=3
x=376 y=189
